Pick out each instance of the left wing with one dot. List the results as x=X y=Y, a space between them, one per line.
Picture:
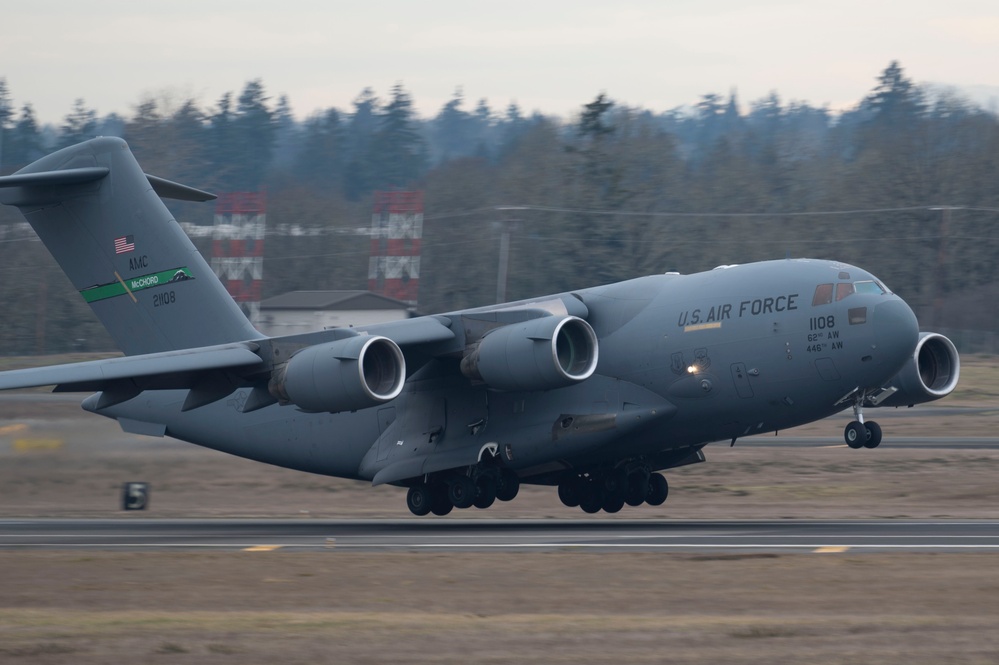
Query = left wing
x=210 y=372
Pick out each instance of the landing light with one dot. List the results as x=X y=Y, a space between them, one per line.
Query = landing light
x=692 y=369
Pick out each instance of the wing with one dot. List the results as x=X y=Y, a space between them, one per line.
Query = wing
x=213 y=372
x=210 y=369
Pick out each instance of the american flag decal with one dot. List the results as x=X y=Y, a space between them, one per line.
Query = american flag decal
x=124 y=244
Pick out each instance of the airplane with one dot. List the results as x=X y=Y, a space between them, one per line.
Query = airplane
x=594 y=392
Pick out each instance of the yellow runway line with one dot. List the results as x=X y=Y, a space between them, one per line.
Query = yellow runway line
x=27 y=445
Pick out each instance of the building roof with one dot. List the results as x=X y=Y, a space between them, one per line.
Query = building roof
x=332 y=300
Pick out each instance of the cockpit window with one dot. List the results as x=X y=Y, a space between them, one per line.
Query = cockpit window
x=823 y=295
x=870 y=286
x=844 y=290
x=824 y=292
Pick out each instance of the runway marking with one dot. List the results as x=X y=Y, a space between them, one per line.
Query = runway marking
x=11 y=429
x=24 y=445
x=262 y=548
x=832 y=549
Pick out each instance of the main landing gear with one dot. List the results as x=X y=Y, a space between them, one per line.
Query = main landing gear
x=860 y=434
x=611 y=490
x=442 y=495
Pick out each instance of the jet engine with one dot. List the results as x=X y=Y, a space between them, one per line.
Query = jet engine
x=540 y=354
x=344 y=375
x=930 y=374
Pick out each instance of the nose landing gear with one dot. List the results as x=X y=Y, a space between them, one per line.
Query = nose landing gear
x=860 y=434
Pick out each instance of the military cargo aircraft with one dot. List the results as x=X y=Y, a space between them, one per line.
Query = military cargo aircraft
x=594 y=391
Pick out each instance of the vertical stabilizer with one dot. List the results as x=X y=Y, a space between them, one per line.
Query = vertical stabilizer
x=99 y=216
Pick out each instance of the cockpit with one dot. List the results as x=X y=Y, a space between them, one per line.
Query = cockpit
x=826 y=294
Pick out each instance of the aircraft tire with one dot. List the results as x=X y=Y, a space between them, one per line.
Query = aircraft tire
x=638 y=489
x=461 y=492
x=418 y=500
x=613 y=503
x=485 y=494
x=440 y=504
x=569 y=490
x=658 y=490
x=508 y=485
x=855 y=435
x=591 y=498
x=874 y=434
x=616 y=482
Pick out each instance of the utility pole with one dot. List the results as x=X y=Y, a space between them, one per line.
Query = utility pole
x=941 y=275
x=507 y=227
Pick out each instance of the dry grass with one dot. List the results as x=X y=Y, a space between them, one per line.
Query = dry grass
x=551 y=607
x=499 y=608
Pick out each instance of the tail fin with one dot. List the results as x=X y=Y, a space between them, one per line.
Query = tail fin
x=102 y=219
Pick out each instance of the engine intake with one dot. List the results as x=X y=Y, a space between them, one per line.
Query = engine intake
x=540 y=354
x=930 y=374
x=346 y=375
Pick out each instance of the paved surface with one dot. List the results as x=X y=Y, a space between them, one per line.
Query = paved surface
x=450 y=534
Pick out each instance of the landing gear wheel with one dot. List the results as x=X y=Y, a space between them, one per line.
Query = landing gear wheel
x=873 y=439
x=613 y=503
x=508 y=485
x=570 y=490
x=658 y=490
x=855 y=434
x=461 y=491
x=638 y=489
x=440 y=504
x=485 y=494
x=591 y=498
x=616 y=482
x=418 y=500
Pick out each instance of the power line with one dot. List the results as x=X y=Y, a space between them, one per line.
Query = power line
x=634 y=213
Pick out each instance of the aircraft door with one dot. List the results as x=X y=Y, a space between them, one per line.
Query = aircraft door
x=741 y=378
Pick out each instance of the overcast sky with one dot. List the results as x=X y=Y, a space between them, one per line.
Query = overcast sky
x=547 y=55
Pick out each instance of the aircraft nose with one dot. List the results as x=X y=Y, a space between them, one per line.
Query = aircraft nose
x=896 y=331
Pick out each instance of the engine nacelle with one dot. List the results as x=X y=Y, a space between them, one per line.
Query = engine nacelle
x=540 y=354
x=932 y=372
x=345 y=375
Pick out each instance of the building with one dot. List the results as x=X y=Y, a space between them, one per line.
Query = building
x=308 y=311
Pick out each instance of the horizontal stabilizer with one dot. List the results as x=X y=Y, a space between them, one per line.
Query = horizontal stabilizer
x=166 y=370
x=50 y=178
x=22 y=189
x=167 y=189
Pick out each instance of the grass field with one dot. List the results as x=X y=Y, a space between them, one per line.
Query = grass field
x=549 y=607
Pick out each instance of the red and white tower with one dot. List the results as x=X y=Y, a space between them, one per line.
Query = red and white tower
x=238 y=248
x=396 y=232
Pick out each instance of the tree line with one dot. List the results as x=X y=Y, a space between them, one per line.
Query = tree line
x=904 y=184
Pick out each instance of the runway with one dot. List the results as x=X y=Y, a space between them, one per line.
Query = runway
x=604 y=535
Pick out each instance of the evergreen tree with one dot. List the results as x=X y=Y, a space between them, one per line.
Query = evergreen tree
x=222 y=143
x=896 y=99
x=254 y=134
x=451 y=130
x=400 y=150
x=23 y=142
x=6 y=113
x=321 y=159
x=80 y=125
x=359 y=172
